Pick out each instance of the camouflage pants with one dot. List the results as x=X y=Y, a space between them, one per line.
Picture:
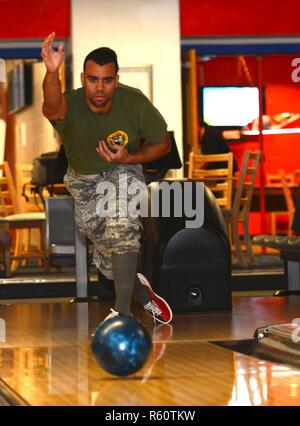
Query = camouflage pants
x=109 y=234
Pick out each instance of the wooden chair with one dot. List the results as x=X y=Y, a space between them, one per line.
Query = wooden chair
x=274 y=179
x=288 y=200
x=241 y=207
x=282 y=180
x=218 y=180
x=12 y=218
x=28 y=201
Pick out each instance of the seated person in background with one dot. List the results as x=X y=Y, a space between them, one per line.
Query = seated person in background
x=296 y=220
x=211 y=141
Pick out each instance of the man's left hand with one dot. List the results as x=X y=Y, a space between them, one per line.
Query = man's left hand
x=119 y=156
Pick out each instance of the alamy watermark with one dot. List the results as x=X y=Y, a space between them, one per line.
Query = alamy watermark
x=161 y=199
x=296 y=72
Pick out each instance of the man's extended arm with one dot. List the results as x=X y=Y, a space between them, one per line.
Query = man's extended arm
x=146 y=154
x=55 y=104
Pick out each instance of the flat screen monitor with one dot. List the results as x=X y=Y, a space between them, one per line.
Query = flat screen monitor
x=229 y=106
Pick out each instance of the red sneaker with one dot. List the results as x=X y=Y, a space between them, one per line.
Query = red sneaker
x=157 y=307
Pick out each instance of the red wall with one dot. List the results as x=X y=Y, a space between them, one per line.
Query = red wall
x=282 y=95
x=238 y=17
x=34 y=18
x=280 y=152
x=276 y=69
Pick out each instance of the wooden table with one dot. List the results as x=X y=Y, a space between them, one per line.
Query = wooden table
x=274 y=198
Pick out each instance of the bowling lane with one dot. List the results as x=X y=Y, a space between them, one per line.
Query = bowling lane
x=45 y=356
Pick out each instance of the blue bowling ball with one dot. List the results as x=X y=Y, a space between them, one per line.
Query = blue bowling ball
x=121 y=345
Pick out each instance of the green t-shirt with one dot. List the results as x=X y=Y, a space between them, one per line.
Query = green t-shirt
x=82 y=129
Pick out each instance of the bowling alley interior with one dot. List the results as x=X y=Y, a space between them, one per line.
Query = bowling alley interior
x=225 y=76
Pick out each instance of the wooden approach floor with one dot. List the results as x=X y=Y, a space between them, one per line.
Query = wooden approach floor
x=46 y=359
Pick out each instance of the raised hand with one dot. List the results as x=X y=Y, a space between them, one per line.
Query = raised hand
x=52 y=59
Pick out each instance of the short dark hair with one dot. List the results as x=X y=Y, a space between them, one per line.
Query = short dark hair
x=102 y=56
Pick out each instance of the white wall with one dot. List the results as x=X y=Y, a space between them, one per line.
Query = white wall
x=34 y=133
x=142 y=32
